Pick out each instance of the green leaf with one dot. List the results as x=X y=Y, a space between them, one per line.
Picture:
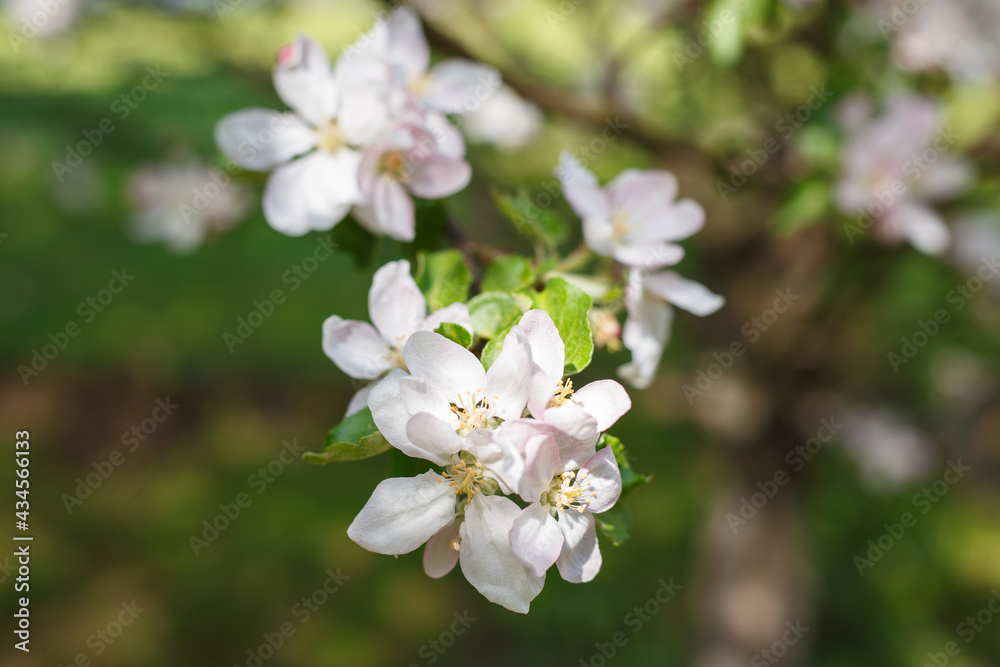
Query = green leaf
x=615 y=523
x=443 y=278
x=630 y=478
x=507 y=273
x=568 y=306
x=494 y=312
x=493 y=348
x=805 y=206
x=353 y=439
x=538 y=224
x=456 y=333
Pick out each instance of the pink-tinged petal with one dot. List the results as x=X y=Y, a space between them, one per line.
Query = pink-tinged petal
x=671 y=223
x=304 y=81
x=297 y=197
x=922 y=227
x=408 y=48
x=535 y=539
x=403 y=513
x=261 y=139
x=605 y=400
x=385 y=401
x=509 y=378
x=355 y=347
x=582 y=191
x=573 y=525
x=547 y=348
x=581 y=563
x=603 y=481
x=945 y=179
x=360 y=399
x=456 y=313
x=395 y=303
x=599 y=234
x=365 y=216
x=420 y=395
x=542 y=389
x=394 y=210
x=541 y=463
x=683 y=293
x=645 y=334
x=649 y=255
x=574 y=431
x=449 y=140
x=642 y=192
x=460 y=86
x=439 y=556
x=435 y=438
x=500 y=454
x=439 y=176
x=447 y=364
x=486 y=557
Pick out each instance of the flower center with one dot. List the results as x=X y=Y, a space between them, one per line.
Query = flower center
x=564 y=493
x=331 y=137
x=474 y=411
x=563 y=391
x=466 y=478
x=395 y=166
x=621 y=225
x=394 y=355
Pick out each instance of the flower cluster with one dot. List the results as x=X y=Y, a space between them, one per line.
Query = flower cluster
x=637 y=221
x=363 y=134
x=514 y=474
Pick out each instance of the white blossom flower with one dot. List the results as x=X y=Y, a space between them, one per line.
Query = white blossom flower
x=181 y=203
x=559 y=526
x=312 y=149
x=648 y=300
x=504 y=119
x=895 y=165
x=958 y=36
x=397 y=308
x=635 y=219
x=446 y=410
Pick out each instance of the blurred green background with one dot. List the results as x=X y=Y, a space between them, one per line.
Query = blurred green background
x=162 y=337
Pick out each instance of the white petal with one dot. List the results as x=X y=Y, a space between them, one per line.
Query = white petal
x=581 y=189
x=394 y=210
x=439 y=556
x=408 y=48
x=363 y=116
x=575 y=432
x=487 y=560
x=355 y=347
x=395 y=303
x=573 y=525
x=459 y=86
x=683 y=293
x=449 y=140
x=541 y=463
x=671 y=223
x=642 y=192
x=403 y=513
x=535 y=539
x=603 y=480
x=449 y=365
x=439 y=176
x=547 y=348
x=311 y=193
x=261 y=139
x=456 y=313
x=542 y=389
x=422 y=395
x=509 y=378
x=436 y=439
x=649 y=255
x=360 y=399
x=304 y=81
x=646 y=331
x=923 y=228
x=581 y=563
x=605 y=400
x=386 y=403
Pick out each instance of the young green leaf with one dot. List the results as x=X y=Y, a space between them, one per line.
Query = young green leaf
x=355 y=438
x=443 y=278
x=630 y=478
x=456 y=333
x=507 y=273
x=493 y=312
x=538 y=224
x=615 y=523
x=568 y=306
